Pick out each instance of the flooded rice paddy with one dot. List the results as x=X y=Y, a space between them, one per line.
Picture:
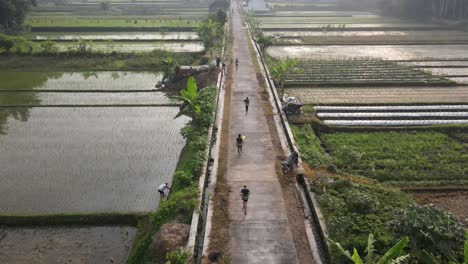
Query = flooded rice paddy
x=85 y=159
x=81 y=245
x=386 y=52
x=95 y=98
x=28 y=80
x=115 y=36
x=136 y=46
x=106 y=159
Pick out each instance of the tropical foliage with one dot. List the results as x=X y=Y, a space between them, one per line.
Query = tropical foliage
x=392 y=256
x=282 y=68
x=431 y=230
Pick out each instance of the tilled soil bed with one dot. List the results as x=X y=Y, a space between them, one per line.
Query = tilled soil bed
x=455 y=202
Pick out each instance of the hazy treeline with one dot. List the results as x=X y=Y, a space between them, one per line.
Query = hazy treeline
x=443 y=9
x=13 y=13
x=420 y=9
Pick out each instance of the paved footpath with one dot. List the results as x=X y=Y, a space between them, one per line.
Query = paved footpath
x=263 y=235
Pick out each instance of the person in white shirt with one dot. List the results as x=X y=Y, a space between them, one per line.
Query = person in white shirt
x=162 y=188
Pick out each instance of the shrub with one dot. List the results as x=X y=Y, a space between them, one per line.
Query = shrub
x=48 y=47
x=430 y=229
x=177 y=256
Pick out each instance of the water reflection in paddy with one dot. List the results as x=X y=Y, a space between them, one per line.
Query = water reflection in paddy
x=105 y=159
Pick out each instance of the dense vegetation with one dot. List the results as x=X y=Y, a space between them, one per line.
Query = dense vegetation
x=353 y=211
x=13 y=13
x=399 y=156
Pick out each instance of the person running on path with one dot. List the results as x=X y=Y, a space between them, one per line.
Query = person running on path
x=162 y=188
x=245 y=193
x=239 y=143
x=246 y=102
x=237 y=63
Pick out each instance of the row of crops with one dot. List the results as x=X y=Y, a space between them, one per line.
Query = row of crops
x=393 y=115
x=357 y=71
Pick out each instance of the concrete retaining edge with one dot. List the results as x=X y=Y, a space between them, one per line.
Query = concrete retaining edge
x=314 y=222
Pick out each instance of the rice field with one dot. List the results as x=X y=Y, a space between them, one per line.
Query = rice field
x=106 y=159
x=94 y=98
x=90 y=245
x=135 y=46
x=385 y=52
x=78 y=81
x=115 y=36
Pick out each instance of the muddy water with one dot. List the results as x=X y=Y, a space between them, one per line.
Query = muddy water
x=387 y=52
x=87 y=245
x=104 y=159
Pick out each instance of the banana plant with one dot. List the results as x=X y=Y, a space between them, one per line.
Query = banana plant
x=190 y=96
x=393 y=256
x=428 y=258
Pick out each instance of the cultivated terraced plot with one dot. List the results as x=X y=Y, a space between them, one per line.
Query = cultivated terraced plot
x=78 y=81
x=83 y=245
x=386 y=52
x=357 y=71
x=399 y=156
x=87 y=159
x=381 y=95
x=393 y=115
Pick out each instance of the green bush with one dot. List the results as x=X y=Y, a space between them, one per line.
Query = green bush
x=430 y=229
x=311 y=151
x=349 y=222
x=177 y=256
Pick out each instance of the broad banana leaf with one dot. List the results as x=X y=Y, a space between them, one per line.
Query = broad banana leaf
x=394 y=252
x=370 y=249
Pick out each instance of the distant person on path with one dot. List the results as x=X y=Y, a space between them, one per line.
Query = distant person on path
x=239 y=143
x=237 y=63
x=245 y=193
x=246 y=102
x=162 y=188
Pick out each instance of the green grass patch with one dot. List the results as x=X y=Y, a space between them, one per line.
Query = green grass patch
x=311 y=151
x=152 y=61
x=399 y=156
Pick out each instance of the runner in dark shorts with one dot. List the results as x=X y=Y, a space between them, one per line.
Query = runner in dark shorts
x=246 y=102
x=239 y=143
x=245 y=193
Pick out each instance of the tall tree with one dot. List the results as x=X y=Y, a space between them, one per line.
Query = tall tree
x=13 y=13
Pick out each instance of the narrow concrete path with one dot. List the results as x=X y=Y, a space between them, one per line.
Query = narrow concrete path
x=263 y=235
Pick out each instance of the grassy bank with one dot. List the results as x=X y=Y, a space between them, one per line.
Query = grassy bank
x=153 y=61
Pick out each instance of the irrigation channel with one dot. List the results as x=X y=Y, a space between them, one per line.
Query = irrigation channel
x=82 y=143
